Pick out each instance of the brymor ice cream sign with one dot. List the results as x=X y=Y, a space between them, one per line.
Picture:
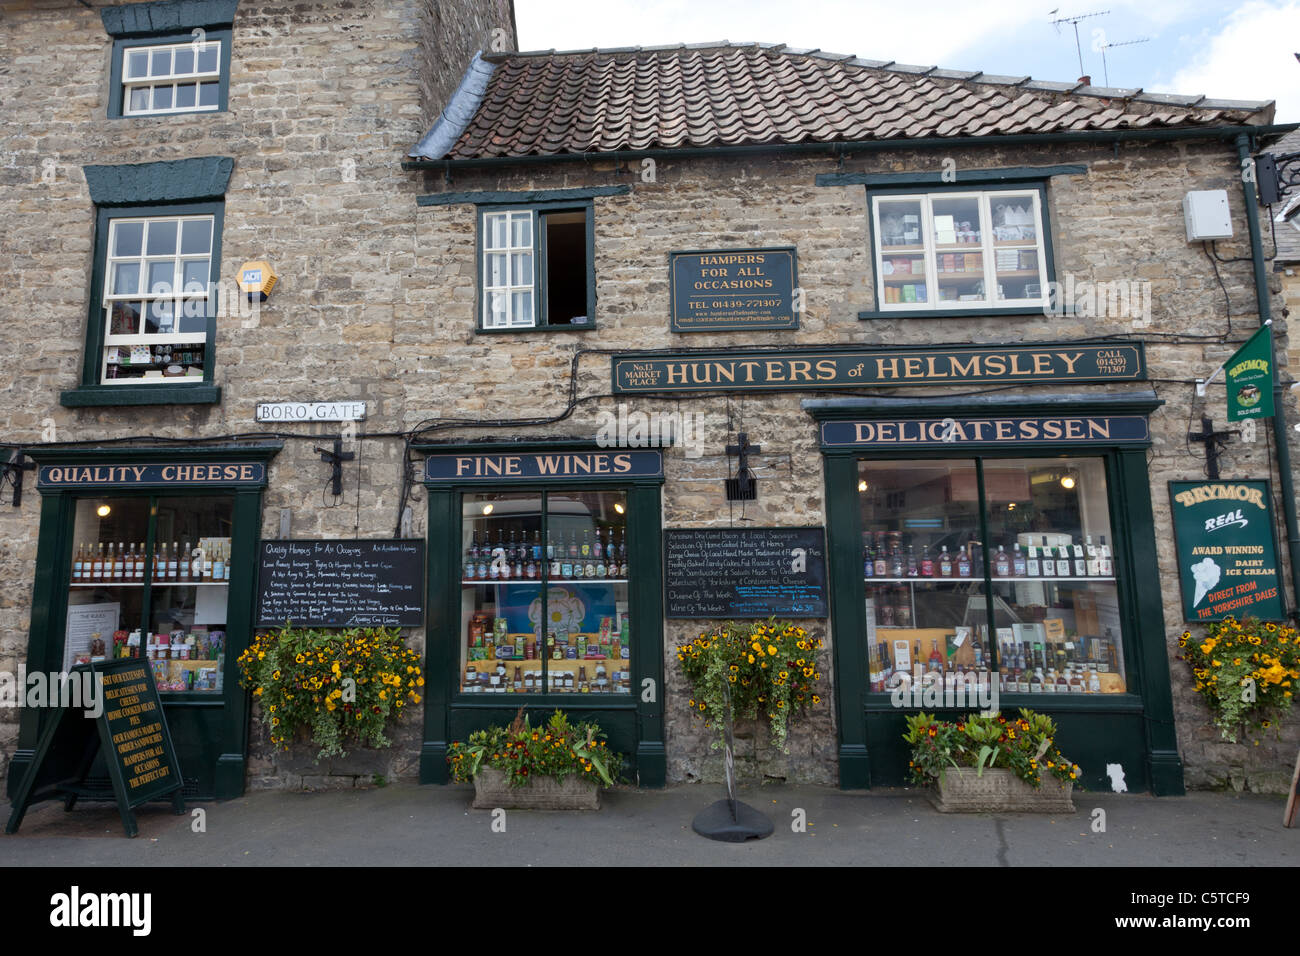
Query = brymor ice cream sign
x=1227 y=558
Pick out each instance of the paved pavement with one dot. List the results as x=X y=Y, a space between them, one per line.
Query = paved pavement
x=405 y=824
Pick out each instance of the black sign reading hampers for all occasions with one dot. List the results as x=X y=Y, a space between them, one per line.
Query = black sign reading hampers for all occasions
x=341 y=583
x=725 y=289
x=745 y=572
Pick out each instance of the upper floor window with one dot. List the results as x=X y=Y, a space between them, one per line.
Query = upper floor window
x=158 y=275
x=536 y=268
x=172 y=78
x=960 y=249
x=169 y=56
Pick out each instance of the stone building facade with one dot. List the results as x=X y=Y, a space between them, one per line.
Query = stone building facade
x=323 y=100
x=379 y=297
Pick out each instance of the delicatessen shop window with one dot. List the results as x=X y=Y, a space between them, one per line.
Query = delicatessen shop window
x=944 y=539
x=150 y=578
x=544 y=593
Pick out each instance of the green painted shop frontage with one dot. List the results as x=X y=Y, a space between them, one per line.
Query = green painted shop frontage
x=997 y=550
x=151 y=553
x=544 y=590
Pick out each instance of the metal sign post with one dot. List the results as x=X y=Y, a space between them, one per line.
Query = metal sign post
x=730 y=820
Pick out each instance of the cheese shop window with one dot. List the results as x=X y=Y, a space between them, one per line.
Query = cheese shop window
x=991 y=573
x=544 y=593
x=150 y=578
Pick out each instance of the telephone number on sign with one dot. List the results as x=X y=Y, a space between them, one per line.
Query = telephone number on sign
x=745 y=304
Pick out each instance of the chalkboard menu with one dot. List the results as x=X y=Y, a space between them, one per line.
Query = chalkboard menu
x=133 y=718
x=341 y=583
x=110 y=707
x=745 y=572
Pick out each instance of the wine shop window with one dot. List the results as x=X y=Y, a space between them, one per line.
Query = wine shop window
x=960 y=250
x=536 y=268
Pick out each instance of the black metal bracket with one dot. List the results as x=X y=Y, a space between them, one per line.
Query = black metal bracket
x=336 y=458
x=744 y=487
x=1276 y=172
x=1214 y=443
x=13 y=471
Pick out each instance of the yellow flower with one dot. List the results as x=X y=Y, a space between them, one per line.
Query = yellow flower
x=816 y=699
x=257 y=692
x=771 y=651
x=751 y=658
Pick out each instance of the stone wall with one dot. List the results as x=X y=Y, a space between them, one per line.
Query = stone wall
x=1121 y=221
x=325 y=99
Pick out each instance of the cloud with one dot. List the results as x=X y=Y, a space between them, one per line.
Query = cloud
x=1251 y=57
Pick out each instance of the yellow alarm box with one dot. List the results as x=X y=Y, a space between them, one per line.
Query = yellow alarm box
x=257 y=278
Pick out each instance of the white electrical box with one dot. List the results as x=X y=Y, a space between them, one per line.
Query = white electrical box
x=1206 y=213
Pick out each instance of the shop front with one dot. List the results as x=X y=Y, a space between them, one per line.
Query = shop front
x=998 y=551
x=545 y=592
x=151 y=553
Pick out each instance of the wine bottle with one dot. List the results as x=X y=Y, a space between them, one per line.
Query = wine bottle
x=927 y=563
x=1001 y=563
x=868 y=559
x=913 y=569
x=963 y=563
x=1019 y=568
x=1049 y=560
x=77 y=561
x=882 y=562
x=945 y=563
x=1105 y=567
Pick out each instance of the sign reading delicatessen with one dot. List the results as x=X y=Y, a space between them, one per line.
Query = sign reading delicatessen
x=803 y=369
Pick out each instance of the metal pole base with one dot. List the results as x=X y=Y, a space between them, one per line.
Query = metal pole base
x=718 y=822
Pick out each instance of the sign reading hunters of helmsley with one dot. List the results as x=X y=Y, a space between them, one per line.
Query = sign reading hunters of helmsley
x=810 y=368
x=733 y=289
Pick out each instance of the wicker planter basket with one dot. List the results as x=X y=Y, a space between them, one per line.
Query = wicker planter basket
x=961 y=790
x=492 y=790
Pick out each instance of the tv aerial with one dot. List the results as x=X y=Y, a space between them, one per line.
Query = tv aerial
x=1106 y=46
x=1074 y=21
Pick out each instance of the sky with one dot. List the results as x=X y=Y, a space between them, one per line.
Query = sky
x=1226 y=50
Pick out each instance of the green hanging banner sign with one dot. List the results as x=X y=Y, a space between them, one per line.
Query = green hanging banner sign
x=1250 y=378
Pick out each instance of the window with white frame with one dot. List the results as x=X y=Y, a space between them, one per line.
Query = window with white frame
x=960 y=249
x=172 y=78
x=536 y=269
x=156 y=289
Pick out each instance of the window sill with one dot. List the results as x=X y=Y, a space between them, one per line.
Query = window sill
x=590 y=327
x=96 y=396
x=953 y=313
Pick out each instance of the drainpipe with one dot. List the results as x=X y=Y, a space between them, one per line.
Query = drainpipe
x=1279 y=415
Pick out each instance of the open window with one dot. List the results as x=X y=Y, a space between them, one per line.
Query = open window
x=537 y=268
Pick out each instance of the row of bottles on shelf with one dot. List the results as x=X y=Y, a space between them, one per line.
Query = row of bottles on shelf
x=884 y=557
x=497 y=680
x=126 y=563
x=1082 y=666
x=518 y=559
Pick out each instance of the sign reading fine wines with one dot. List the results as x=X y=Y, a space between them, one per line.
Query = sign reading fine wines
x=726 y=289
x=546 y=466
x=956 y=432
x=1227 y=558
x=804 y=369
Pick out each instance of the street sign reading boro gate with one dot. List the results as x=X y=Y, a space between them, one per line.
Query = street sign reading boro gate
x=724 y=289
x=1227 y=558
x=803 y=369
